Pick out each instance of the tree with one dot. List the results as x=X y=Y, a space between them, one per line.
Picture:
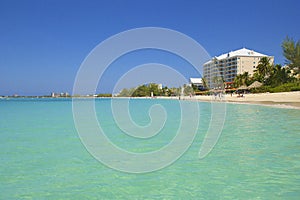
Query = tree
x=126 y=92
x=175 y=91
x=242 y=79
x=147 y=89
x=155 y=89
x=205 y=85
x=257 y=77
x=104 y=95
x=291 y=51
x=278 y=76
x=166 y=91
x=141 y=91
x=195 y=88
x=188 y=90
x=264 y=67
x=218 y=82
x=238 y=80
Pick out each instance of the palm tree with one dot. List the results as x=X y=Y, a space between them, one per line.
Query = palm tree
x=218 y=82
x=246 y=78
x=291 y=51
x=242 y=79
x=205 y=85
x=278 y=76
x=238 y=80
x=264 y=67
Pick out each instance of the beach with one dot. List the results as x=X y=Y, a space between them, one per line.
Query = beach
x=281 y=99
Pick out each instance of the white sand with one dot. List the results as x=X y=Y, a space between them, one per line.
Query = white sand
x=282 y=99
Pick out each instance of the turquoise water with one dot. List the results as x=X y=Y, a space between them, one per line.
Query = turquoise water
x=42 y=157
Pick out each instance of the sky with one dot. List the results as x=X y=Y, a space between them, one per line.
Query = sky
x=44 y=42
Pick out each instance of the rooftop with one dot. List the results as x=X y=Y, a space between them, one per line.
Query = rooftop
x=196 y=80
x=239 y=52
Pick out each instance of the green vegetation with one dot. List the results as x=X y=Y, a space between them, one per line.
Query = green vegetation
x=279 y=75
x=104 y=95
x=188 y=90
x=242 y=79
x=263 y=69
x=291 y=51
x=152 y=88
x=146 y=91
x=275 y=77
x=287 y=87
x=126 y=92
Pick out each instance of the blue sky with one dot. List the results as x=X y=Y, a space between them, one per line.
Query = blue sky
x=44 y=42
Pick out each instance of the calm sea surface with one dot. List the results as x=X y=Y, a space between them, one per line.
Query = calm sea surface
x=41 y=156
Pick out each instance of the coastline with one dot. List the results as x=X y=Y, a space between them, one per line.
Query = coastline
x=281 y=100
x=289 y=100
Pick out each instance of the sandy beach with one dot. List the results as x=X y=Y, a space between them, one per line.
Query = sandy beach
x=282 y=99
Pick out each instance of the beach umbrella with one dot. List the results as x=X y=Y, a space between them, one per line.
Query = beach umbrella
x=243 y=87
x=256 y=84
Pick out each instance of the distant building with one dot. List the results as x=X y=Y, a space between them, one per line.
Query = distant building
x=160 y=86
x=230 y=64
x=198 y=82
x=63 y=94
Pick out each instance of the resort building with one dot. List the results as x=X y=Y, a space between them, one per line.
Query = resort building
x=230 y=64
x=198 y=82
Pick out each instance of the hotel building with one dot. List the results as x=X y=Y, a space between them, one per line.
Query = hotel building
x=229 y=65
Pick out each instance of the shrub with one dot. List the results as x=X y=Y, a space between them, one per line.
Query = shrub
x=287 y=87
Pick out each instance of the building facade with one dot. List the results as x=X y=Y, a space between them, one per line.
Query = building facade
x=198 y=82
x=227 y=66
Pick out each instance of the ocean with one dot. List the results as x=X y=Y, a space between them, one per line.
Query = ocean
x=257 y=155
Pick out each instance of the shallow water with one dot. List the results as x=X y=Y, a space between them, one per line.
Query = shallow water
x=257 y=155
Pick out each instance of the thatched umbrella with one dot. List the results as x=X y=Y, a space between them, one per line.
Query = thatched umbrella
x=256 y=84
x=243 y=87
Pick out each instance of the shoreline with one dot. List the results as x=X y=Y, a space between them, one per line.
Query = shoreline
x=290 y=100
x=286 y=105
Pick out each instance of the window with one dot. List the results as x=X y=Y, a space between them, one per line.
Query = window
x=253 y=67
x=253 y=62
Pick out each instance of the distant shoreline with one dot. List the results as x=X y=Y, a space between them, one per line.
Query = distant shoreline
x=281 y=100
